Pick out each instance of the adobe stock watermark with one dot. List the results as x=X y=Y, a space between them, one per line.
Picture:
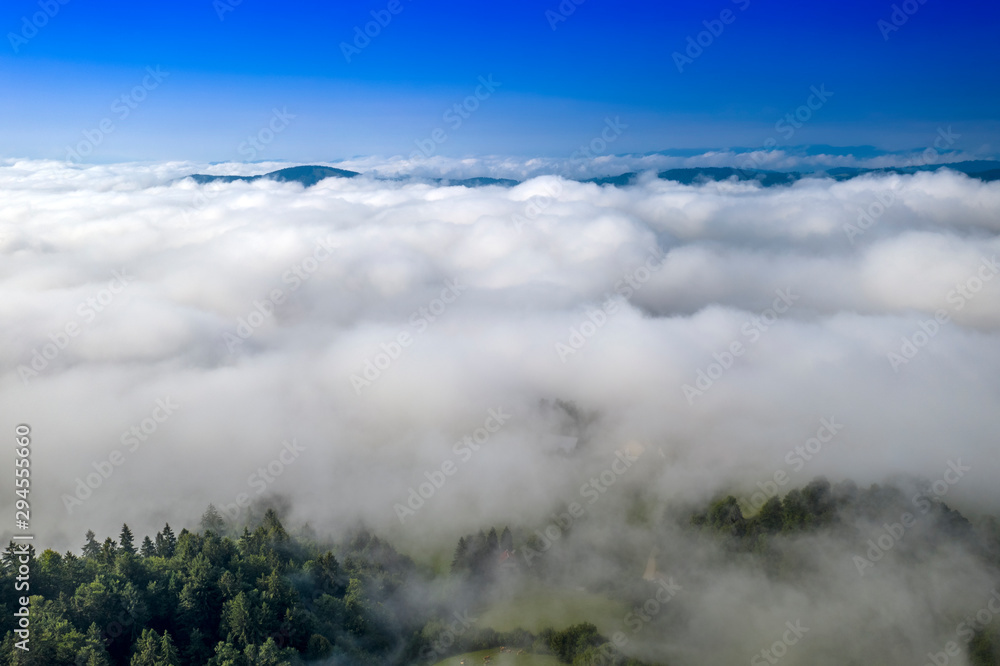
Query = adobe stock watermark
x=363 y=37
x=537 y=204
x=945 y=139
x=868 y=217
x=958 y=297
x=753 y=328
x=250 y=148
x=31 y=25
x=779 y=648
x=592 y=490
x=802 y=114
x=642 y=615
x=898 y=17
x=122 y=106
x=297 y=275
x=19 y=558
x=892 y=533
x=787 y=125
x=796 y=458
x=463 y=449
x=223 y=7
x=597 y=146
x=255 y=143
x=561 y=13
x=455 y=116
x=714 y=28
x=595 y=319
x=636 y=619
x=137 y=435
x=263 y=477
x=966 y=630
x=420 y=320
x=87 y=311
x=438 y=649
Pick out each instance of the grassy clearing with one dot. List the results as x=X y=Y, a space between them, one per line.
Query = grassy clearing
x=500 y=659
x=543 y=608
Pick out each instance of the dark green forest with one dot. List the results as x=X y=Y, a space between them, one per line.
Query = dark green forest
x=266 y=597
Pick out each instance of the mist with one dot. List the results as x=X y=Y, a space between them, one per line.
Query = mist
x=430 y=361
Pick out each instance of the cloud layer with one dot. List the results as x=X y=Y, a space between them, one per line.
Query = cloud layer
x=342 y=345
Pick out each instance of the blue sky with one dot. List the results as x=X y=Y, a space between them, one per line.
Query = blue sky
x=225 y=76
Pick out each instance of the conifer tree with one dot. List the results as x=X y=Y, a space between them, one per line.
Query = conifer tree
x=125 y=540
x=506 y=540
x=212 y=521
x=166 y=542
x=91 y=548
x=458 y=562
x=147 y=549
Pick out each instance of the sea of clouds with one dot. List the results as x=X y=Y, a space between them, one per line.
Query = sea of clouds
x=376 y=322
x=431 y=360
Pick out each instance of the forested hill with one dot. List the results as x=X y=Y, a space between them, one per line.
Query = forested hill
x=258 y=595
x=265 y=598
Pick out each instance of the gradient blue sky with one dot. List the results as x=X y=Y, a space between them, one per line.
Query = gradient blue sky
x=941 y=68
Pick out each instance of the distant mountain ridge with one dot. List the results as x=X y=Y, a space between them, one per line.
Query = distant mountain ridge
x=307 y=176
x=985 y=170
x=981 y=169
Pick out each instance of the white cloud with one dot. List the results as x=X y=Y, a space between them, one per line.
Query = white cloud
x=729 y=247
